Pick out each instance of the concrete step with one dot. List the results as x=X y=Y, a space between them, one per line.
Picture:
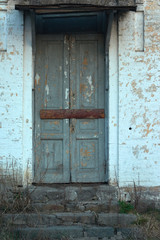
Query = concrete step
x=60 y=232
x=37 y=220
x=73 y=232
x=74 y=198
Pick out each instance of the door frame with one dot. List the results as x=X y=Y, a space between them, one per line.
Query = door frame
x=29 y=67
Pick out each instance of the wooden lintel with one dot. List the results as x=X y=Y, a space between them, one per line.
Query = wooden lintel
x=72 y=113
x=74 y=5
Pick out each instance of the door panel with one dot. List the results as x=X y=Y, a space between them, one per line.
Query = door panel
x=69 y=75
x=87 y=87
x=51 y=92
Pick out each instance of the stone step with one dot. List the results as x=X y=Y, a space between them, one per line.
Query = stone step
x=70 y=219
x=74 y=198
x=73 y=232
x=60 y=232
x=97 y=207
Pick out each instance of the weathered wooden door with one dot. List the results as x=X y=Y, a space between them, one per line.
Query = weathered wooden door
x=69 y=108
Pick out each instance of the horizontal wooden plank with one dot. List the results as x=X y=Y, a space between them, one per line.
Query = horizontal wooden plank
x=72 y=113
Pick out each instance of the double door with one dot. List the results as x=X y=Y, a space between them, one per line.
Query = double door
x=69 y=108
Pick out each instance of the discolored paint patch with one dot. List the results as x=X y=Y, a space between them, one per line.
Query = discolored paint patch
x=67 y=93
x=137 y=91
x=85 y=123
x=83 y=164
x=145 y=149
x=46 y=81
x=85 y=153
x=47 y=89
x=134 y=118
x=85 y=61
x=45 y=102
x=147 y=130
x=145 y=118
x=152 y=88
x=37 y=79
x=156 y=123
x=83 y=87
x=56 y=122
x=135 y=151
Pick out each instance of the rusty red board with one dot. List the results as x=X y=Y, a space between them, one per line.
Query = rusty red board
x=72 y=113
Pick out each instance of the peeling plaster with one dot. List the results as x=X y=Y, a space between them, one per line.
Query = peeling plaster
x=66 y=93
x=37 y=79
x=137 y=91
x=47 y=89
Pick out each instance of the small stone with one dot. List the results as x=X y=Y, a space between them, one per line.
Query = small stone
x=119 y=238
x=100 y=232
x=113 y=238
x=71 y=195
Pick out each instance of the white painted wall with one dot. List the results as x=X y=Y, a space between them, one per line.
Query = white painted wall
x=11 y=87
x=137 y=93
x=134 y=92
x=16 y=74
x=28 y=106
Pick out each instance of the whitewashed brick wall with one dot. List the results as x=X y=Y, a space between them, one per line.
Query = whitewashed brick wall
x=138 y=108
x=134 y=94
x=11 y=86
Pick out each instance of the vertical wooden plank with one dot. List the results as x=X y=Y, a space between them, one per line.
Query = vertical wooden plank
x=73 y=104
x=66 y=105
x=37 y=138
x=101 y=104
